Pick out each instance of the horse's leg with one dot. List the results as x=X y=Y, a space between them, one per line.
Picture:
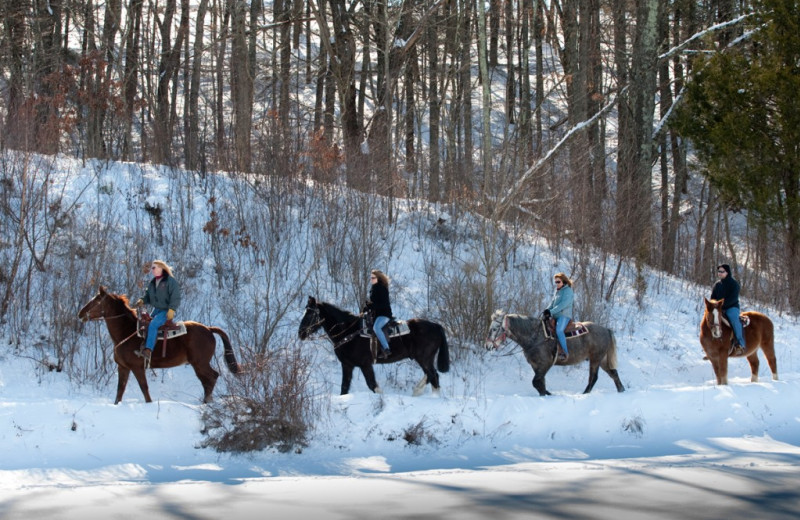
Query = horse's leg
x=122 y=381
x=722 y=361
x=594 y=367
x=141 y=378
x=420 y=387
x=369 y=376
x=612 y=372
x=538 y=382
x=347 y=377
x=431 y=376
x=754 y=363
x=208 y=378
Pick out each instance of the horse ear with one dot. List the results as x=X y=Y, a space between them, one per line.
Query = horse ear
x=102 y=289
x=311 y=301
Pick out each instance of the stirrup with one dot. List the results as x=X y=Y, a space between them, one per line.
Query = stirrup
x=736 y=351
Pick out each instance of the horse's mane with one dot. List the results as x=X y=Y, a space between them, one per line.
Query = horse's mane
x=339 y=313
x=120 y=298
x=524 y=326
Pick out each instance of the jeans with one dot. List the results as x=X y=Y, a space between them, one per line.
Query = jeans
x=561 y=324
x=380 y=321
x=733 y=318
x=159 y=318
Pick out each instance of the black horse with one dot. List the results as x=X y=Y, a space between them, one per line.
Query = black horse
x=597 y=345
x=344 y=329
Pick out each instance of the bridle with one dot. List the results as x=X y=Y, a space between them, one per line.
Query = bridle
x=500 y=338
x=105 y=318
x=103 y=311
x=333 y=337
x=318 y=323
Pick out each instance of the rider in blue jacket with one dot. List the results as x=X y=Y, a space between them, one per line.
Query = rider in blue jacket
x=561 y=309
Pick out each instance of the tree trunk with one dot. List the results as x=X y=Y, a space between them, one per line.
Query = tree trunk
x=192 y=112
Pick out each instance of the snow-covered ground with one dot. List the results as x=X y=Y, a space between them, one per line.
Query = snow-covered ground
x=672 y=445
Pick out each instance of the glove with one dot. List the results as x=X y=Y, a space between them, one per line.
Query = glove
x=170 y=314
x=139 y=302
x=546 y=313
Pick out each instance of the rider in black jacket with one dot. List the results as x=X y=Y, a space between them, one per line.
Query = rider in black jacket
x=728 y=288
x=381 y=307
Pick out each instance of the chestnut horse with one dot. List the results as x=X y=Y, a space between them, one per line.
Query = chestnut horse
x=716 y=335
x=196 y=347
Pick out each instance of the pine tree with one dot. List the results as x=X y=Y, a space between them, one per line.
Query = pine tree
x=742 y=114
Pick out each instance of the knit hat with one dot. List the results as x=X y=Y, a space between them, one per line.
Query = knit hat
x=726 y=267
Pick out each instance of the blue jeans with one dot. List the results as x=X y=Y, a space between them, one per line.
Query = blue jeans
x=380 y=321
x=733 y=318
x=159 y=318
x=561 y=324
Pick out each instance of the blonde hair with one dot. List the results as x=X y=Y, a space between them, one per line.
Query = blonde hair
x=163 y=265
x=564 y=278
x=382 y=278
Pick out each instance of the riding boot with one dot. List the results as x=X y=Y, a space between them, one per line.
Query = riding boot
x=562 y=355
x=385 y=353
x=147 y=354
x=736 y=350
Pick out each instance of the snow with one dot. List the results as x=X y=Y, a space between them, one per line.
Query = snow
x=673 y=444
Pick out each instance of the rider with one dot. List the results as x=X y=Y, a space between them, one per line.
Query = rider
x=380 y=307
x=728 y=288
x=561 y=309
x=164 y=294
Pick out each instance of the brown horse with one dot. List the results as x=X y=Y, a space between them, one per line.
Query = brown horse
x=196 y=347
x=716 y=335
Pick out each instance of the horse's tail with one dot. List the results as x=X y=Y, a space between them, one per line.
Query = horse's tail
x=611 y=355
x=230 y=358
x=443 y=360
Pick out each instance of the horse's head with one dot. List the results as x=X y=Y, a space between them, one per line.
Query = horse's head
x=312 y=320
x=713 y=317
x=497 y=331
x=95 y=309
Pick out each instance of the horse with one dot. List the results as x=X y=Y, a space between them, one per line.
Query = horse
x=352 y=346
x=196 y=347
x=716 y=335
x=597 y=345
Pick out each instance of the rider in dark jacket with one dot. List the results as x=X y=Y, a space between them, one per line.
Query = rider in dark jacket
x=381 y=307
x=728 y=288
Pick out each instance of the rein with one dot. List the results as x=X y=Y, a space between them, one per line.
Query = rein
x=332 y=337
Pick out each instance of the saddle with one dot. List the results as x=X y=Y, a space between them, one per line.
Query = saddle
x=574 y=328
x=169 y=330
x=392 y=329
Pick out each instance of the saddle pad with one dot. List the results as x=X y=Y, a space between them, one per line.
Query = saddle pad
x=171 y=333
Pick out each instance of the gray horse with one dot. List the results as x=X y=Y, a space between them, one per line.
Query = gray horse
x=598 y=346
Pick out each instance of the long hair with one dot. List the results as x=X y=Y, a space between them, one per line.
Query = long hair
x=382 y=278
x=564 y=278
x=163 y=265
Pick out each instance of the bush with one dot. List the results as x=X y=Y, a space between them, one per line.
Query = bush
x=268 y=405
